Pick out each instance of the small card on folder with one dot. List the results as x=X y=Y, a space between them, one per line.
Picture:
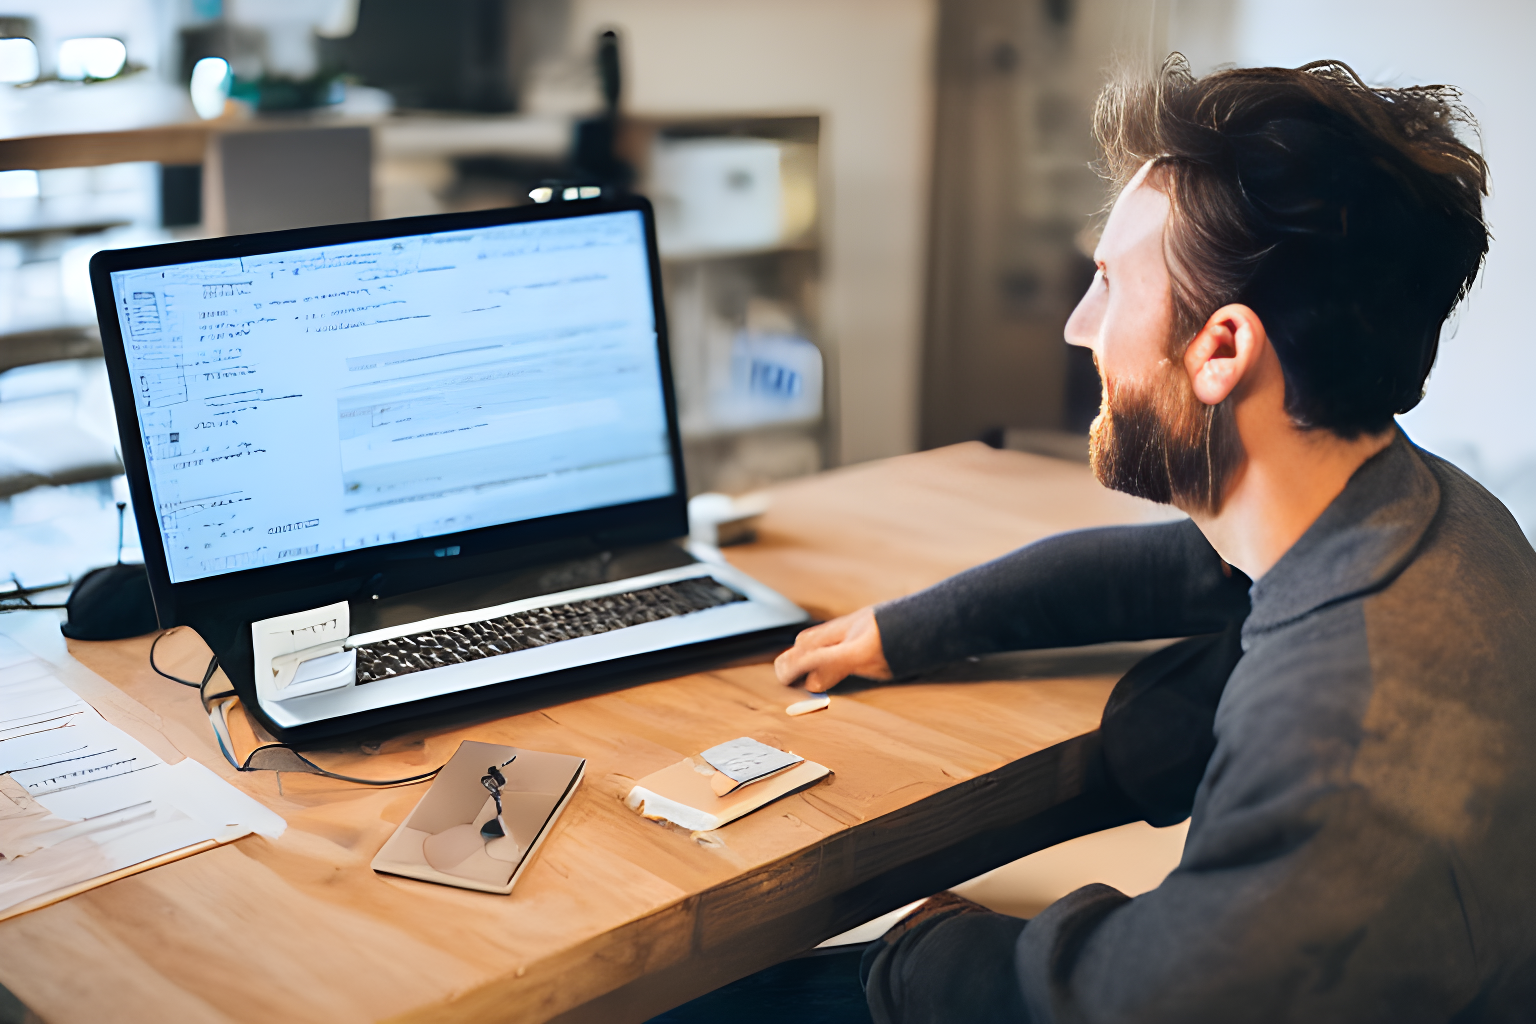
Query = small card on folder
x=445 y=838
x=744 y=760
x=708 y=790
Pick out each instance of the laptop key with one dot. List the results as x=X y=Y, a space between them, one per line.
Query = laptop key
x=537 y=627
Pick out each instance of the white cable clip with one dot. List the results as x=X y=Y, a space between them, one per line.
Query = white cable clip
x=304 y=652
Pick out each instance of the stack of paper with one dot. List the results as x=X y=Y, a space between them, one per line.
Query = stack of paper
x=81 y=799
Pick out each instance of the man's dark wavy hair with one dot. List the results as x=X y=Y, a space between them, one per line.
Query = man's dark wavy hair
x=1349 y=218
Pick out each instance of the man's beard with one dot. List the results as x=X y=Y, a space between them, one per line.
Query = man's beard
x=1162 y=443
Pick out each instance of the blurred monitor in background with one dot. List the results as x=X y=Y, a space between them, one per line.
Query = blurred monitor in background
x=450 y=54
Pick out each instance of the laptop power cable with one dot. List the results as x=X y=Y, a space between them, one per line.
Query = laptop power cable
x=273 y=757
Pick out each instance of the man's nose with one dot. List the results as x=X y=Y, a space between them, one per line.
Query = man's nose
x=1082 y=326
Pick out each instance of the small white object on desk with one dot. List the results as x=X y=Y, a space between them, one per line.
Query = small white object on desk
x=815 y=702
x=719 y=519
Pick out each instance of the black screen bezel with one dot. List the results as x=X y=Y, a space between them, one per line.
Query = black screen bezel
x=397 y=566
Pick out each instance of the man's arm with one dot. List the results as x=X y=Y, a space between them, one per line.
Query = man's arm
x=1084 y=587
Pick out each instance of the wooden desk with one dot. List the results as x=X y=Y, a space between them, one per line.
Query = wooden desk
x=618 y=918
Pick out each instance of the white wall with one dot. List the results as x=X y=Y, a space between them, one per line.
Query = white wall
x=1479 y=410
x=866 y=67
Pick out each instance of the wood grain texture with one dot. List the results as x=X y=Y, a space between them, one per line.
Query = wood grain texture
x=618 y=917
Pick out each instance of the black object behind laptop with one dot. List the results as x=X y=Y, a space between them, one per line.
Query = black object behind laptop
x=393 y=467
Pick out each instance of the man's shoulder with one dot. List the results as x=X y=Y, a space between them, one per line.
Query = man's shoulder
x=1436 y=656
x=1473 y=556
x=1471 y=515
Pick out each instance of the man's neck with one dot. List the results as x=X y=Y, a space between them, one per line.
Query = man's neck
x=1287 y=479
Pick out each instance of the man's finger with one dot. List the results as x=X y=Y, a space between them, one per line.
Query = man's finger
x=824 y=677
x=795 y=662
x=785 y=666
x=807 y=663
x=791 y=664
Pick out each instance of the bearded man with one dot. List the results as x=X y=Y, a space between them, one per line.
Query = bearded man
x=1352 y=722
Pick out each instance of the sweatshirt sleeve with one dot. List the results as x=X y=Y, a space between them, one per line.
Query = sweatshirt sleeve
x=1083 y=587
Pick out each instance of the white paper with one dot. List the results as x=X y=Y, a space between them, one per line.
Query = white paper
x=41 y=745
x=137 y=838
x=200 y=793
x=654 y=805
x=105 y=795
x=11 y=653
x=85 y=749
x=28 y=696
x=111 y=802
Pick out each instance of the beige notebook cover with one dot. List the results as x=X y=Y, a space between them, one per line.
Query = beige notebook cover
x=441 y=840
x=685 y=793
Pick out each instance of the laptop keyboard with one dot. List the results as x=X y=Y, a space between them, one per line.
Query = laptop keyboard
x=434 y=648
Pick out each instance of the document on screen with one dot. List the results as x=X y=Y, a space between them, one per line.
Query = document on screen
x=303 y=403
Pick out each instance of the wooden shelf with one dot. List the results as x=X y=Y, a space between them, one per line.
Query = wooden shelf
x=71 y=125
x=24 y=348
x=807 y=245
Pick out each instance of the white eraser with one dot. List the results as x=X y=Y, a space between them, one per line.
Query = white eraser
x=815 y=702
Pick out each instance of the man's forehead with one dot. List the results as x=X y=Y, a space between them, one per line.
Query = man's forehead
x=1136 y=220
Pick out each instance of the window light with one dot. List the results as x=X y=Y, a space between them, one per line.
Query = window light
x=18 y=61
x=91 y=57
x=210 y=86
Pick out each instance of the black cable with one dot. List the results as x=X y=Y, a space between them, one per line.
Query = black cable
x=213 y=664
x=207 y=699
x=348 y=778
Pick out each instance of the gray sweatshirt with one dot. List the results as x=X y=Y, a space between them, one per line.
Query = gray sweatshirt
x=1363 y=842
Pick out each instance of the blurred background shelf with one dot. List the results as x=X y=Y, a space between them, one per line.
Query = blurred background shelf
x=26 y=348
x=738 y=201
x=930 y=169
x=92 y=165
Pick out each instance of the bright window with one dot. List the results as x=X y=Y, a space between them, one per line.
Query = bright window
x=91 y=57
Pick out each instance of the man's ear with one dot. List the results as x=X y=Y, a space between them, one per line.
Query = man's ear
x=1225 y=351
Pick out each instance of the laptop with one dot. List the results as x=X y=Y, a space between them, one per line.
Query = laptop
x=389 y=468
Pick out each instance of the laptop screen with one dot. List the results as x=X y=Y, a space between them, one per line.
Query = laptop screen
x=298 y=404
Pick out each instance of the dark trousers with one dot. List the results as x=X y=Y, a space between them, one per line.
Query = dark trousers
x=1156 y=740
x=952 y=969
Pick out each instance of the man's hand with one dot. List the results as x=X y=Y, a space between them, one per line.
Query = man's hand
x=827 y=654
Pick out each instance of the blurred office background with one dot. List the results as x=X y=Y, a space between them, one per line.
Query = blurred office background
x=875 y=214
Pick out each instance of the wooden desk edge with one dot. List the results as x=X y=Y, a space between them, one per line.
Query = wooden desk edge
x=975 y=832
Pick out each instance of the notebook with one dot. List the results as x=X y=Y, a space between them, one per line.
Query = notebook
x=443 y=840
x=713 y=788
